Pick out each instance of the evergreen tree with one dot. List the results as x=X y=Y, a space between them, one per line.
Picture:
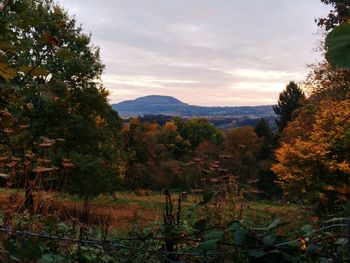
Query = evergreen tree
x=289 y=100
x=263 y=129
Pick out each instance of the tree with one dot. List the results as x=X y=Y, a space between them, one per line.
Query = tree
x=136 y=150
x=265 y=159
x=289 y=100
x=198 y=130
x=173 y=141
x=316 y=167
x=324 y=81
x=313 y=160
x=51 y=64
x=242 y=145
x=263 y=129
x=267 y=138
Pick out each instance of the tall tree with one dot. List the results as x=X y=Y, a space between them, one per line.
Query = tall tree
x=46 y=59
x=317 y=166
x=289 y=100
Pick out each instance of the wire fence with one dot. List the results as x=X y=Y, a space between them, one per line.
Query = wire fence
x=115 y=243
x=169 y=256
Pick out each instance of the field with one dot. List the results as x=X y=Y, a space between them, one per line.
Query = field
x=125 y=210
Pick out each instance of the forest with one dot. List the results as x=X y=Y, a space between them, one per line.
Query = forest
x=79 y=184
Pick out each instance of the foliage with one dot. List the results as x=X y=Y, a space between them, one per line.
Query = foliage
x=338 y=15
x=324 y=81
x=265 y=158
x=155 y=154
x=264 y=132
x=289 y=100
x=263 y=129
x=91 y=177
x=315 y=167
x=198 y=130
x=312 y=160
x=243 y=146
x=50 y=70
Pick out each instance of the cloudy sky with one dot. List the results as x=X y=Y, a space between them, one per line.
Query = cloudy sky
x=203 y=52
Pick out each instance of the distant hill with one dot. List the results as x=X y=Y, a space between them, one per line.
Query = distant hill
x=166 y=105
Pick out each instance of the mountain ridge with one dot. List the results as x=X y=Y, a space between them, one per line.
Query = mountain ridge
x=168 y=105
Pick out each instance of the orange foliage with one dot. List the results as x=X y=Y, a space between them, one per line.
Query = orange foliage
x=317 y=164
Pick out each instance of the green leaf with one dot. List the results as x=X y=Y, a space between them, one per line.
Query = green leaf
x=338 y=47
x=255 y=253
x=208 y=245
x=307 y=229
x=48 y=258
x=239 y=233
x=214 y=235
x=269 y=240
x=146 y=231
x=276 y=223
x=234 y=226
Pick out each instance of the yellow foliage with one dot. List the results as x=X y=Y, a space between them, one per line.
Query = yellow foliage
x=170 y=125
x=319 y=160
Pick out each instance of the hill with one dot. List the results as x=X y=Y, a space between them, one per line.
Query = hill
x=166 y=105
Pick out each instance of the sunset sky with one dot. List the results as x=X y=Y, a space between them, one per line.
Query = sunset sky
x=203 y=52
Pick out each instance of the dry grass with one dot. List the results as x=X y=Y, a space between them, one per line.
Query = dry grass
x=126 y=209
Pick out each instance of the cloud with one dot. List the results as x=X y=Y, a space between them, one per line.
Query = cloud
x=266 y=75
x=226 y=52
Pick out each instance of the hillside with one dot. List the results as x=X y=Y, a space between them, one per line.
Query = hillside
x=166 y=105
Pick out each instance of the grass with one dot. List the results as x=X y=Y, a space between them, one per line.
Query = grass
x=125 y=209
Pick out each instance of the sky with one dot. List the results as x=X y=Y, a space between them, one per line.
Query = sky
x=203 y=52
